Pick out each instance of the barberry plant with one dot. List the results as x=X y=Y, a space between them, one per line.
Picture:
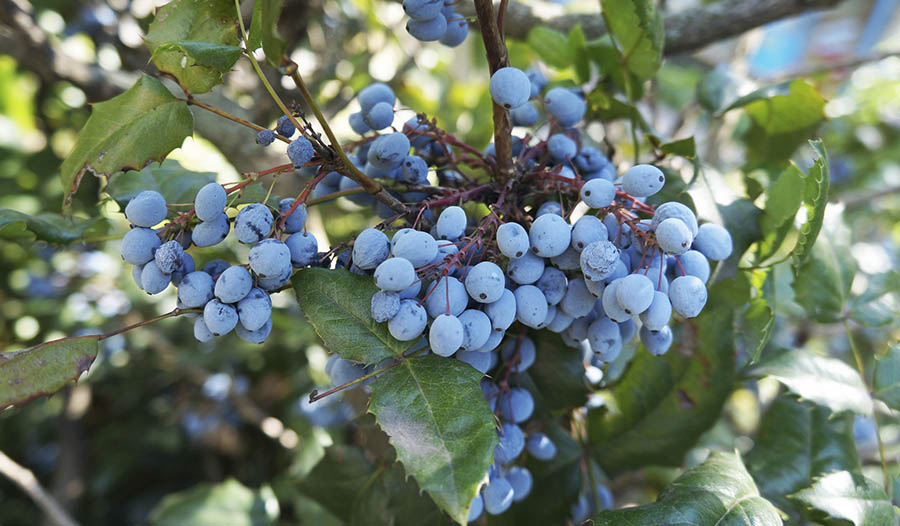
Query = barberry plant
x=526 y=320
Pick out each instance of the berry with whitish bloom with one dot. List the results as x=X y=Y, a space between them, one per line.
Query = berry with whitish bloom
x=210 y=202
x=598 y=193
x=692 y=263
x=476 y=508
x=512 y=240
x=578 y=301
x=375 y=93
x=485 y=282
x=610 y=302
x=493 y=341
x=549 y=207
x=343 y=371
x=481 y=361
x=415 y=170
x=590 y=159
x=220 y=317
x=524 y=115
x=598 y=260
x=713 y=241
x=531 y=305
x=476 y=329
x=457 y=30
x=568 y=260
x=643 y=180
x=201 y=331
x=427 y=30
x=503 y=311
x=674 y=236
x=510 y=87
x=561 y=147
x=566 y=107
x=422 y=9
x=446 y=296
x=285 y=127
x=146 y=209
x=553 y=283
x=540 y=446
x=304 y=248
x=605 y=339
x=516 y=406
x=253 y=223
x=385 y=305
x=657 y=342
x=550 y=235
x=451 y=223
x=254 y=309
x=445 y=335
x=523 y=351
x=265 y=137
x=498 y=496
x=511 y=442
x=195 y=289
x=300 y=151
x=688 y=295
x=270 y=258
x=659 y=313
x=256 y=336
x=409 y=322
x=139 y=245
x=233 y=284
x=635 y=293
x=389 y=151
x=561 y=321
x=587 y=230
x=380 y=116
x=215 y=267
x=153 y=279
x=370 y=248
x=185 y=267
x=521 y=481
x=297 y=220
x=526 y=269
x=538 y=81
x=676 y=210
x=395 y=274
x=209 y=233
x=419 y=248
x=358 y=123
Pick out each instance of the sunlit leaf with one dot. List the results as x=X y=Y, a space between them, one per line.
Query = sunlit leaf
x=45 y=369
x=637 y=27
x=857 y=499
x=228 y=502
x=46 y=226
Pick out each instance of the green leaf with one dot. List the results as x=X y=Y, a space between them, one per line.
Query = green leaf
x=229 y=502
x=345 y=483
x=686 y=148
x=825 y=381
x=337 y=304
x=575 y=44
x=195 y=41
x=558 y=373
x=875 y=306
x=782 y=89
x=407 y=503
x=638 y=29
x=840 y=495
x=718 y=492
x=822 y=284
x=798 y=442
x=437 y=419
x=756 y=327
x=717 y=86
x=815 y=198
x=44 y=369
x=887 y=377
x=741 y=218
x=264 y=30
x=174 y=182
x=550 y=45
x=662 y=404
x=128 y=131
x=783 y=122
x=46 y=226
x=783 y=200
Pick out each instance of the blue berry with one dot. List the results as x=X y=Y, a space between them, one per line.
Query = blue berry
x=446 y=296
x=253 y=223
x=415 y=170
x=598 y=260
x=578 y=301
x=370 y=248
x=531 y=305
x=521 y=481
x=201 y=331
x=512 y=240
x=195 y=289
x=511 y=442
x=693 y=263
x=643 y=180
x=538 y=81
x=598 y=193
x=526 y=269
x=300 y=151
x=605 y=339
x=445 y=335
x=285 y=127
x=587 y=230
x=209 y=233
x=254 y=310
x=540 y=446
x=153 y=279
x=713 y=241
x=265 y=137
x=256 y=336
x=210 y=202
x=373 y=94
x=139 y=245
x=476 y=329
x=304 y=248
x=523 y=351
x=493 y=341
x=480 y=361
x=561 y=147
x=186 y=267
x=168 y=256
x=215 y=267
x=553 y=283
x=146 y=209
x=485 y=282
x=502 y=312
x=524 y=115
x=409 y=322
x=395 y=274
x=380 y=116
x=674 y=236
x=498 y=496
x=233 y=284
x=270 y=258
x=358 y=123
x=590 y=159
x=566 y=107
x=510 y=87
x=610 y=302
x=219 y=317
x=677 y=210
x=688 y=295
x=635 y=293
x=659 y=313
x=385 y=305
x=423 y=9
x=451 y=223
x=476 y=508
x=550 y=235
x=427 y=30
x=389 y=151
x=297 y=220
x=657 y=342
x=457 y=30
x=419 y=248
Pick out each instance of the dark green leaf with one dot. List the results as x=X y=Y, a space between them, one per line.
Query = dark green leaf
x=437 y=419
x=887 y=377
x=606 y=108
x=783 y=201
x=715 y=88
x=781 y=124
x=575 y=45
x=875 y=307
x=768 y=92
x=558 y=373
x=551 y=46
x=741 y=218
x=718 y=492
x=46 y=226
x=345 y=483
x=174 y=182
x=638 y=29
x=407 y=503
x=229 y=502
x=825 y=381
x=264 y=30
x=840 y=495
x=662 y=404
x=815 y=198
x=337 y=303
x=822 y=285
x=798 y=442
x=44 y=369
x=686 y=148
x=128 y=131
x=195 y=41
x=756 y=326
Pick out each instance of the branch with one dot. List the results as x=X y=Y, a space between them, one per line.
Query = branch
x=686 y=31
x=26 y=480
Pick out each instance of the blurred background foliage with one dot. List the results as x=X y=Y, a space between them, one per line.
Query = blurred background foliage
x=160 y=413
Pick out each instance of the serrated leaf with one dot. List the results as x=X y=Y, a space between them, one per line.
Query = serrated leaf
x=558 y=373
x=663 y=404
x=822 y=284
x=264 y=30
x=229 y=502
x=437 y=419
x=718 y=492
x=756 y=326
x=407 y=502
x=550 y=46
x=823 y=380
x=857 y=499
x=195 y=42
x=887 y=377
x=815 y=199
x=46 y=226
x=345 y=483
x=783 y=201
x=638 y=29
x=877 y=306
x=44 y=369
x=175 y=183
x=798 y=442
x=128 y=131
x=338 y=305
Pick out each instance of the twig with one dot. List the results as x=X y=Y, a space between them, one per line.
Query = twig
x=315 y=396
x=25 y=479
x=192 y=101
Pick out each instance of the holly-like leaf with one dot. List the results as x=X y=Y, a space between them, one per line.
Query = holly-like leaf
x=887 y=377
x=716 y=493
x=338 y=305
x=820 y=379
x=783 y=122
x=637 y=28
x=195 y=41
x=126 y=132
x=842 y=495
x=822 y=284
x=815 y=198
x=875 y=306
x=408 y=504
x=783 y=200
x=551 y=46
x=46 y=226
x=437 y=419
x=229 y=502
x=44 y=369
x=264 y=30
x=175 y=183
x=662 y=404
x=798 y=442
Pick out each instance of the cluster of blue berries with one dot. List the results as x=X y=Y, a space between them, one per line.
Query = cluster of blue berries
x=231 y=296
x=431 y=20
x=300 y=150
